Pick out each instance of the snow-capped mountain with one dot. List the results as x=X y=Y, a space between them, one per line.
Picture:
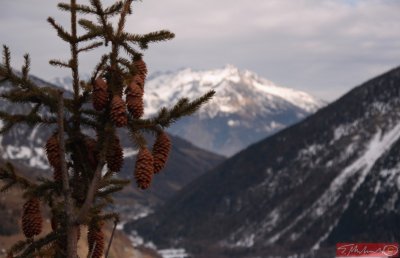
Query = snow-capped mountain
x=245 y=109
x=333 y=177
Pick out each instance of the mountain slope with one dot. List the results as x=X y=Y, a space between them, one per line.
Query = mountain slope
x=245 y=109
x=332 y=177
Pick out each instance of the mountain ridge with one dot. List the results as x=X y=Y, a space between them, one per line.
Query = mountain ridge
x=246 y=107
x=294 y=192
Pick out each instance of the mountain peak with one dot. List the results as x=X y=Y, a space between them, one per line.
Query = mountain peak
x=236 y=89
x=245 y=108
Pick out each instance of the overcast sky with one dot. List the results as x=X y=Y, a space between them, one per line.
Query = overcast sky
x=324 y=47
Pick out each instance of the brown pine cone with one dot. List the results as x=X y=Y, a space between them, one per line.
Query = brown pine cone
x=115 y=156
x=32 y=218
x=54 y=223
x=134 y=100
x=53 y=151
x=135 y=106
x=100 y=94
x=96 y=235
x=118 y=112
x=142 y=69
x=139 y=81
x=57 y=174
x=161 y=149
x=134 y=89
x=144 y=168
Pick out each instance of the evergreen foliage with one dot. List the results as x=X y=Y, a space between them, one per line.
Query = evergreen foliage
x=85 y=165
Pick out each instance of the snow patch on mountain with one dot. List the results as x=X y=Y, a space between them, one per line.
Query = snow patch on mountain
x=235 y=90
x=245 y=108
x=379 y=144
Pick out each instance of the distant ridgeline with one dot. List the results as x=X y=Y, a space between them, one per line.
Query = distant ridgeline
x=245 y=109
x=333 y=177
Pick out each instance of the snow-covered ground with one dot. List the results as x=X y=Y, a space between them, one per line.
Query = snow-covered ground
x=173 y=253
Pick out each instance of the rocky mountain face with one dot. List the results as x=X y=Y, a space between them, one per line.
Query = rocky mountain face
x=24 y=145
x=245 y=109
x=333 y=177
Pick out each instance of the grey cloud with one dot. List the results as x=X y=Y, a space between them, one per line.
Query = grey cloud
x=321 y=46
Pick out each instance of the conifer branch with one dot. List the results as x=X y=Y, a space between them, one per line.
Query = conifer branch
x=45 y=188
x=102 y=19
x=90 y=26
x=60 y=30
x=90 y=47
x=130 y=50
x=34 y=95
x=38 y=244
x=89 y=123
x=114 y=9
x=74 y=57
x=109 y=190
x=78 y=7
x=6 y=61
x=31 y=119
x=121 y=23
x=113 y=181
x=99 y=67
x=144 y=40
x=137 y=138
x=126 y=63
x=184 y=107
x=59 y=63
x=90 y=35
x=7 y=174
x=19 y=246
x=26 y=67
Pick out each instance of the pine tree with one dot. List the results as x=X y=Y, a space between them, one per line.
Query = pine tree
x=78 y=190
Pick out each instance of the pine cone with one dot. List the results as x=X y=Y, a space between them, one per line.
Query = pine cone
x=53 y=151
x=144 y=168
x=54 y=223
x=57 y=174
x=161 y=149
x=95 y=235
x=100 y=94
x=32 y=218
x=142 y=69
x=118 y=112
x=134 y=100
x=139 y=81
x=115 y=156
